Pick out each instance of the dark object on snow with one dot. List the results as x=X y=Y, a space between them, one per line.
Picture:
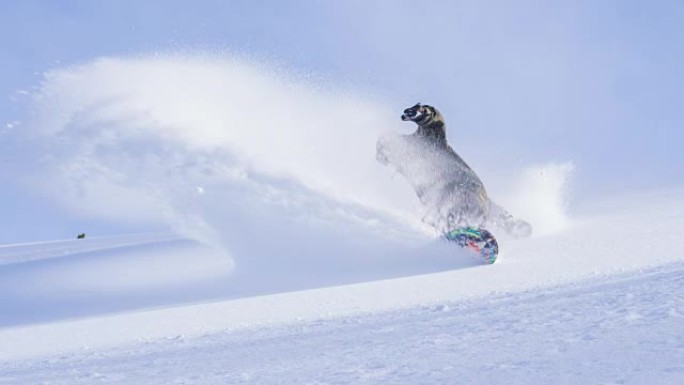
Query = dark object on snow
x=81 y=236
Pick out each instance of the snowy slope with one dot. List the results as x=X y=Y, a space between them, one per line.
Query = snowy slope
x=293 y=256
x=519 y=313
x=622 y=330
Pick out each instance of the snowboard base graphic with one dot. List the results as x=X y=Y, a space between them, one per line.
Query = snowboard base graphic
x=480 y=241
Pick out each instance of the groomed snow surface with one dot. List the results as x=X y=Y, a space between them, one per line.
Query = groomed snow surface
x=597 y=303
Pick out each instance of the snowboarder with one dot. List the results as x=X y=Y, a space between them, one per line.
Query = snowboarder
x=453 y=195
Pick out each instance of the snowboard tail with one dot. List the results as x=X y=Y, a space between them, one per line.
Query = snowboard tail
x=480 y=241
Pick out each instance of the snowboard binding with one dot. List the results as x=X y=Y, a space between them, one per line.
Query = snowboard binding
x=480 y=241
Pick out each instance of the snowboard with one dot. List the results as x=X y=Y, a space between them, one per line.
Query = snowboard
x=480 y=241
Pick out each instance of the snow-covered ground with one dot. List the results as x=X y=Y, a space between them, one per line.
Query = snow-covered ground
x=291 y=256
x=597 y=303
x=625 y=329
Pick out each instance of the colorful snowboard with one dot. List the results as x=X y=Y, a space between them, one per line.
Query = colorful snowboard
x=480 y=241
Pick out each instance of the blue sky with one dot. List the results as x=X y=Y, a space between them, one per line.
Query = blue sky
x=595 y=82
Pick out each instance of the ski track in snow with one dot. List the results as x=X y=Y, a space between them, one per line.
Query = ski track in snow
x=626 y=330
x=22 y=253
